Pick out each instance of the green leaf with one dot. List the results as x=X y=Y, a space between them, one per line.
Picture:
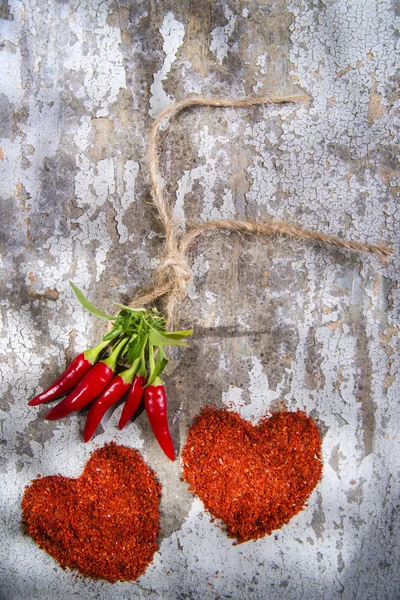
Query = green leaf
x=89 y=306
x=113 y=334
x=134 y=347
x=156 y=338
x=127 y=321
x=177 y=335
x=132 y=310
x=161 y=363
x=120 y=320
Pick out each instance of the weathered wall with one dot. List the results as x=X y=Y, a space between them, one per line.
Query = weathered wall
x=276 y=322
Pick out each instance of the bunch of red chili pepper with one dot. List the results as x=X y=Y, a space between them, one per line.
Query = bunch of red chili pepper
x=129 y=360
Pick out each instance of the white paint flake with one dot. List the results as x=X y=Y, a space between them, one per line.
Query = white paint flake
x=173 y=33
x=94 y=185
x=185 y=185
x=261 y=395
x=99 y=58
x=199 y=268
x=220 y=35
x=10 y=167
x=211 y=298
x=233 y=398
x=81 y=137
x=104 y=181
x=225 y=211
x=125 y=196
x=10 y=71
x=207 y=175
x=262 y=62
x=131 y=169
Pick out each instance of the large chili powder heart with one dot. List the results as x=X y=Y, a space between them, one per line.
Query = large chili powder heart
x=104 y=523
x=253 y=477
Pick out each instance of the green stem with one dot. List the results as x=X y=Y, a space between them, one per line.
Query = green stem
x=92 y=354
x=157 y=381
x=142 y=370
x=130 y=373
x=151 y=358
x=112 y=335
x=111 y=361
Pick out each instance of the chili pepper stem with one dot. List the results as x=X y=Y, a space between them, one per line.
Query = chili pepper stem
x=92 y=354
x=151 y=358
x=142 y=372
x=130 y=373
x=89 y=387
x=111 y=361
x=137 y=338
x=72 y=375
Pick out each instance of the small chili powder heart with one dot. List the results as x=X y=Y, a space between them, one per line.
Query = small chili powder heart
x=105 y=522
x=255 y=478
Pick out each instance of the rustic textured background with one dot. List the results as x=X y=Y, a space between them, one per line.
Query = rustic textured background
x=276 y=323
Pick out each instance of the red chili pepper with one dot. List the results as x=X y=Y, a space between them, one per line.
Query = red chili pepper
x=155 y=402
x=132 y=403
x=137 y=390
x=71 y=376
x=113 y=392
x=88 y=388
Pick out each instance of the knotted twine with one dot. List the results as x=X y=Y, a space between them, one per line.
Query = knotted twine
x=173 y=273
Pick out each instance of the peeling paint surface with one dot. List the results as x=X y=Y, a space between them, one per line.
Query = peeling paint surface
x=278 y=324
x=173 y=33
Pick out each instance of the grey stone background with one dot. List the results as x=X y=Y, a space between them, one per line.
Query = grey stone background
x=276 y=323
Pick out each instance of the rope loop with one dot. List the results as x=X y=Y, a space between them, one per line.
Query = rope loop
x=175 y=270
x=174 y=273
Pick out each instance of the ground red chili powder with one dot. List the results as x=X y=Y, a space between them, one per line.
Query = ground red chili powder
x=253 y=477
x=105 y=523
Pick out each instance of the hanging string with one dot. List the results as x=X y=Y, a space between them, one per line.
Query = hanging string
x=173 y=273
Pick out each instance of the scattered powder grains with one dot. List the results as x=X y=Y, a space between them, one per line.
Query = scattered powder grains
x=253 y=477
x=104 y=523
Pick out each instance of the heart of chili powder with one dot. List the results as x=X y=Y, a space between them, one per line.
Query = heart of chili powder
x=105 y=522
x=254 y=478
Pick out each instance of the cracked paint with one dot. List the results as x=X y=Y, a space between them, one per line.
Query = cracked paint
x=199 y=268
x=100 y=63
x=207 y=176
x=261 y=396
x=173 y=33
x=125 y=196
x=278 y=323
x=220 y=35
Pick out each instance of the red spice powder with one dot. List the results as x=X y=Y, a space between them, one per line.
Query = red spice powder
x=105 y=523
x=253 y=477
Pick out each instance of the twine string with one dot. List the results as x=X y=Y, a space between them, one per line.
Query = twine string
x=173 y=274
